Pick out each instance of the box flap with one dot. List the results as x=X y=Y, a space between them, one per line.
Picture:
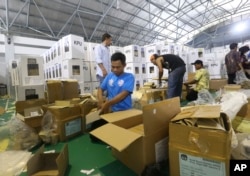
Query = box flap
x=21 y=105
x=206 y=111
x=157 y=116
x=121 y=115
x=115 y=136
x=34 y=165
x=62 y=160
x=92 y=116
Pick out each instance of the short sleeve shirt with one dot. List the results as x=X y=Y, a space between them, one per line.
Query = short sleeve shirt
x=116 y=84
x=202 y=76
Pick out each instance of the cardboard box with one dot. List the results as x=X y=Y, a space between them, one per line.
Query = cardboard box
x=54 y=90
x=52 y=164
x=191 y=76
x=245 y=111
x=204 y=149
x=67 y=119
x=139 y=138
x=62 y=90
x=69 y=127
x=30 y=112
x=61 y=112
x=70 y=89
x=232 y=87
x=217 y=84
x=152 y=95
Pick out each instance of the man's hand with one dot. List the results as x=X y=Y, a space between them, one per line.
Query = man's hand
x=104 y=108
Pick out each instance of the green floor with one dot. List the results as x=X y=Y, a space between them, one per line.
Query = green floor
x=83 y=154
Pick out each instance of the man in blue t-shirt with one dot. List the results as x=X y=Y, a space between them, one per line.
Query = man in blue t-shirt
x=119 y=86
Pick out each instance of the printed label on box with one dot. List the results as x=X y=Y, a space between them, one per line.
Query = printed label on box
x=73 y=127
x=198 y=166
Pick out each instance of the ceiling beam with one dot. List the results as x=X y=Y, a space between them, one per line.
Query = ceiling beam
x=51 y=31
x=19 y=12
x=101 y=19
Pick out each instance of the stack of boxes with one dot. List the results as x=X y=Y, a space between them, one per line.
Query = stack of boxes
x=134 y=64
x=31 y=84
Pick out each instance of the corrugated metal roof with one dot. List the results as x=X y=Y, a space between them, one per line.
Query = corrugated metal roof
x=138 y=22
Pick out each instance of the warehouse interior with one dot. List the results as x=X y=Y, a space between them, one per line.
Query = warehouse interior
x=48 y=88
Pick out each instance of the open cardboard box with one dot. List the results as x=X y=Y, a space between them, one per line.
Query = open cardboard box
x=30 y=112
x=205 y=149
x=139 y=138
x=50 y=164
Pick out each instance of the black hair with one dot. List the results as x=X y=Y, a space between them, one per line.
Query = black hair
x=155 y=56
x=243 y=50
x=119 y=56
x=105 y=36
x=233 y=46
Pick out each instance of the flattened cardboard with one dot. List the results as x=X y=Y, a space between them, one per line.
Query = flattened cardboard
x=50 y=164
x=208 y=111
x=120 y=138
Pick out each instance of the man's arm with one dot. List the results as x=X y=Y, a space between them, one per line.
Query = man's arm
x=159 y=65
x=119 y=97
x=104 y=71
x=99 y=59
x=100 y=97
x=191 y=82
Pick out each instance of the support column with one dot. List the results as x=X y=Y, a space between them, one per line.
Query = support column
x=9 y=56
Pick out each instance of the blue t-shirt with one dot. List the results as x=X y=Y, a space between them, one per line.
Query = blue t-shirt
x=116 y=84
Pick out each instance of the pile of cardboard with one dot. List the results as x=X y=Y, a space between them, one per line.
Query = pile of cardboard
x=67 y=109
x=139 y=137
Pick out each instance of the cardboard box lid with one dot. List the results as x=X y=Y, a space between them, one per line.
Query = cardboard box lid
x=117 y=116
x=206 y=111
x=115 y=136
x=21 y=105
x=157 y=115
x=35 y=164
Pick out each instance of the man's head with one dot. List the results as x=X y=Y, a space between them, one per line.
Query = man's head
x=198 y=64
x=107 y=39
x=153 y=58
x=244 y=49
x=233 y=46
x=118 y=63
